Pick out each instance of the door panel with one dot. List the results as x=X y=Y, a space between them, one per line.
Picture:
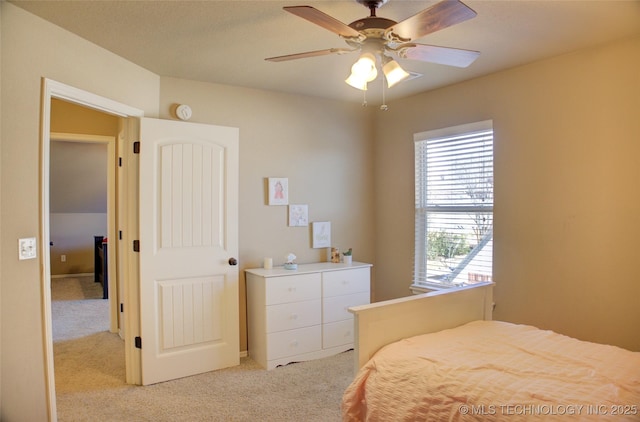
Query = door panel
x=191 y=312
x=189 y=195
x=188 y=231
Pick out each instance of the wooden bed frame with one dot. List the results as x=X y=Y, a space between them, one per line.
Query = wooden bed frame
x=381 y=323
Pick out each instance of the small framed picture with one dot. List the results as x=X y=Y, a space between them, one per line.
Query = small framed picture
x=298 y=215
x=278 y=191
x=321 y=233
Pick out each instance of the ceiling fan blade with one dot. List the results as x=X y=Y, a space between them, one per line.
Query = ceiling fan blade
x=441 y=55
x=437 y=17
x=313 y=15
x=310 y=54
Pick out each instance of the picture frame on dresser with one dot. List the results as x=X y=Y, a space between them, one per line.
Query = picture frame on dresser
x=302 y=315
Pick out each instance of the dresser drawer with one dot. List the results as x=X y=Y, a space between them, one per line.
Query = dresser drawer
x=288 y=316
x=335 y=308
x=293 y=288
x=344 y=282
x=294 y=342
x=337 y=333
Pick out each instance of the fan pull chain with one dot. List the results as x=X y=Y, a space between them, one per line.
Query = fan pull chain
x=364 y=98
x=384 y=106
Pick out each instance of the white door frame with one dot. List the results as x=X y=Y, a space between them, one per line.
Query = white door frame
x=52 y=89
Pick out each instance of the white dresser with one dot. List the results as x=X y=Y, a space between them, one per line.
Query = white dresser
x=296 y=315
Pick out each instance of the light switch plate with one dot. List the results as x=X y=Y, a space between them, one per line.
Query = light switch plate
x=27 y=248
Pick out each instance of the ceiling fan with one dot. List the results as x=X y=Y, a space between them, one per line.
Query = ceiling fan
x=378 y=37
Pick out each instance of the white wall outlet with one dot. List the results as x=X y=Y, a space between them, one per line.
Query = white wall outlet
x=63 y=258
x=27 y=248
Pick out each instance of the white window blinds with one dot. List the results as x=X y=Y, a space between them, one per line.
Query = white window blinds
x=454 y=205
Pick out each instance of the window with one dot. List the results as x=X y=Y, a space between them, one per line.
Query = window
x=454 y=206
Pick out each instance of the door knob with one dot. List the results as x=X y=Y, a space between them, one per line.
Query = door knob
x=233 y=261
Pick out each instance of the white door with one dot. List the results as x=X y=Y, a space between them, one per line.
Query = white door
x=189 y=316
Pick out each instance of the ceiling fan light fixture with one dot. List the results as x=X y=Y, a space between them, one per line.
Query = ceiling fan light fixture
x=357 y=82
x=365 y=67
x=375 y=36
x=394 y=73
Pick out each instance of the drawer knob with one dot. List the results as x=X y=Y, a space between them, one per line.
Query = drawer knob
x=294 y=343
x=345 y=282
x=292 y=289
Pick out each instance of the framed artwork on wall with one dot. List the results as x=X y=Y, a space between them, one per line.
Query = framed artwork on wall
x=321 y=233
x=278 y=191
x=298 y=215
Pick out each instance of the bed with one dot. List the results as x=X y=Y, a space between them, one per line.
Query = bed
x=439 y=356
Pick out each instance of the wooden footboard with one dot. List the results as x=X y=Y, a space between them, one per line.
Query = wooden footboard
x=384 y=322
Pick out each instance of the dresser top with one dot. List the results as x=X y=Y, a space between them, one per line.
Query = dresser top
x=306 y=268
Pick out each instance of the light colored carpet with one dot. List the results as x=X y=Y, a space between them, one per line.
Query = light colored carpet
x=90 y=383
x=77 y=308
x=75 y=288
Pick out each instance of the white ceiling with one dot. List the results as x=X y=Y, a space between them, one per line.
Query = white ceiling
x=226 y=42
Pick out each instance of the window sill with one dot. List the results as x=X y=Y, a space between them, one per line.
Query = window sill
x=418 y=289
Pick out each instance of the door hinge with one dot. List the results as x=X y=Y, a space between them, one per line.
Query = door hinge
x=119 y=234
x=138 y=341
x=136 y=147
x=119 y=161
x=136 y=246
x=122 y=307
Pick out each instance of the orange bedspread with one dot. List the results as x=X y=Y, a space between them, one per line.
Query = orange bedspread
x=490 y=371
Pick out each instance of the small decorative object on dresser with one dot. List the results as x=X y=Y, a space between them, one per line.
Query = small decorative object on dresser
x=290 y=265
x=335 y=255
x=347 y=256
x=302 y=315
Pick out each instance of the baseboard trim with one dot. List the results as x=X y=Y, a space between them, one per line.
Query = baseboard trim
x=71 y=275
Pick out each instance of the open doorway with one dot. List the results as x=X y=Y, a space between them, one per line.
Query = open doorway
x=88 y=353
x=82 y=197
x=54 y=91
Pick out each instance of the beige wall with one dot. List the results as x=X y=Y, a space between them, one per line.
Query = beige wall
x=567 y=199
x=566 y=181
x=72 y=118
x=33 y=49
x=325 y=148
